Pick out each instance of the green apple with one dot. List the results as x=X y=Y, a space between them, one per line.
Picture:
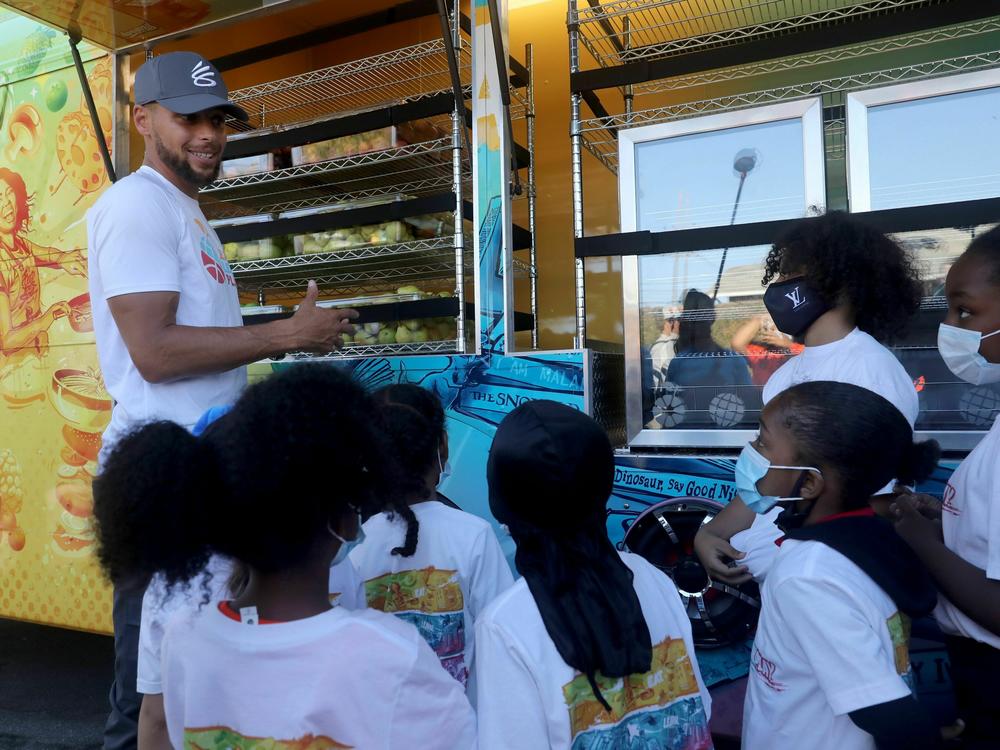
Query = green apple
x=387 y=336
x=404 y=335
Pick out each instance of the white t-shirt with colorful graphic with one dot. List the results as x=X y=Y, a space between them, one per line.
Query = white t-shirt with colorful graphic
x=829 y=642
x=159 y=605
x=145 y=235
x=528 y=697
x=457 y=569
x=340 y=679
x=971 y=520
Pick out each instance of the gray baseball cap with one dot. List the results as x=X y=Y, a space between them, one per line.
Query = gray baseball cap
x=185 y=83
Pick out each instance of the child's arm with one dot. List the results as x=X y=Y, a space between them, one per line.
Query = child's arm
x=898 y=725
x=153 y=724
x=965 y=585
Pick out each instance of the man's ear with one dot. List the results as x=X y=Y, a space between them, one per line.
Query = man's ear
x=812 y=486
x=143 y=117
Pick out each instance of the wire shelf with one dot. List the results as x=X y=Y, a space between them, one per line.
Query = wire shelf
x=401 y=75
x=599 y=134
x=630 y=30
x=802 y=63
x=359 y=266
x=414 y=169
x=350 y=351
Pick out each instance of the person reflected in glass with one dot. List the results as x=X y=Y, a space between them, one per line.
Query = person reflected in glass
x=702 y=368
x=765 y=347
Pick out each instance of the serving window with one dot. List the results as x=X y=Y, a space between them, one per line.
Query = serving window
x=699 y=344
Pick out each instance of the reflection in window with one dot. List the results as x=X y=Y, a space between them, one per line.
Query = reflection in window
x=935 y=150
x=744 y=174
x=704 y=364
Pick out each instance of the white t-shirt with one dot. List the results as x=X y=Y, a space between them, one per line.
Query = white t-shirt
x=528 y=697
x=758 y=543
x=207 y=589
x=857 y=359
x=829 y=642
x=340 y=679
x=971 y=520
x=458 y=568
x=145 y=235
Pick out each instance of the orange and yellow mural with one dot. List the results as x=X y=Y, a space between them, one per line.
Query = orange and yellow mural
x=53 y=405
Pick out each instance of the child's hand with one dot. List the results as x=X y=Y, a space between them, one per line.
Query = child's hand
x=911 y=522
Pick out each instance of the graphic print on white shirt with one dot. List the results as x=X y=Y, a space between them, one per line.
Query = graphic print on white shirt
x=528 y=697
x=455 y=571
x=660 y=708
x=145 y=235
x=970 y=520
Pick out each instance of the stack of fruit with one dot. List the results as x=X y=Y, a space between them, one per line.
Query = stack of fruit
x=388 y=232
x=265 y=249
x=414 y=331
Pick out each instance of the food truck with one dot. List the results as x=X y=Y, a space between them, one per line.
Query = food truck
x=416 y=159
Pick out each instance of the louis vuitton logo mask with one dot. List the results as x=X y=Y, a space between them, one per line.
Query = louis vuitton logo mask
x=794 y=305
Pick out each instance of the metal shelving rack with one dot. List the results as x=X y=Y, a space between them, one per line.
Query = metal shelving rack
x=408 y=85
x=660 y=50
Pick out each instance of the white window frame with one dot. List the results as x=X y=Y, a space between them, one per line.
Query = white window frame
x=810 y=112
x=858 y=167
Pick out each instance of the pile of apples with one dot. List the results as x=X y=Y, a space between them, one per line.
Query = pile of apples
x=412 y=331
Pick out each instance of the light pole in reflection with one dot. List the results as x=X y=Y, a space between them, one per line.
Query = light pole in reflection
x=743 y=163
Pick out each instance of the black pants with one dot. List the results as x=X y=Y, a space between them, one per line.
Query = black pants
x=121 y=732
x=975 y=670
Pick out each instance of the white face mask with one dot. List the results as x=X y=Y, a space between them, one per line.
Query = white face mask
x=959 y=349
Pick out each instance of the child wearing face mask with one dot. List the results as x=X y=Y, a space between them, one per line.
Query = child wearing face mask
x=274 y=664
x=840 y=288
x=959 y=539
x=424 y=560
x=830 y=666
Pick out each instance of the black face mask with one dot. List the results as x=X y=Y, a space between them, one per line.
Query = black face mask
x=790 y=519
x=794 y=305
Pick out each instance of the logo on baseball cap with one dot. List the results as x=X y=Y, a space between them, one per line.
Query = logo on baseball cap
x=185 y=83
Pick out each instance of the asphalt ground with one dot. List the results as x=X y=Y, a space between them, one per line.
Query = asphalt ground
x=53 y=687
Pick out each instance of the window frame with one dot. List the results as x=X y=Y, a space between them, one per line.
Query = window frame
x=859 y=102
x=810 y=112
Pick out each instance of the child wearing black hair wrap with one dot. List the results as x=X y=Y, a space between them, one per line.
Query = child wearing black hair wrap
x=592 y=647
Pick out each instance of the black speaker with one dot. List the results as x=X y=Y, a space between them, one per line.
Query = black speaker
x=720 y=613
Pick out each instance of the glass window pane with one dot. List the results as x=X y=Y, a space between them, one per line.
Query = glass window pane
x=704 y=363
x=935 y=150
x=695 y=180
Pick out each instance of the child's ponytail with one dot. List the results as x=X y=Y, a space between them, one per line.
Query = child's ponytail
x=153 y=504
x=918 y=462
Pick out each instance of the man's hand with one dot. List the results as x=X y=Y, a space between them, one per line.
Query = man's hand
x=320 y=330
x=713 y=552
x=914 y=526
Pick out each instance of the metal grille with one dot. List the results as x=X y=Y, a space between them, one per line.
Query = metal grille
x=414 y=169
x=629 y=30
x=824 y=57
x=608 y=394
x=402 y=75
x=598 y=133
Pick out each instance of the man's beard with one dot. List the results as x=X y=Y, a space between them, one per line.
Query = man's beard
x=182 y=168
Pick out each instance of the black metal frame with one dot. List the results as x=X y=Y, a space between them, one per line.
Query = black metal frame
x=893 y=220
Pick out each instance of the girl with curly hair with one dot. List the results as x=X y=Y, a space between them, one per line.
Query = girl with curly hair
x=279 y=484
x=424 y=559
x=843 y=289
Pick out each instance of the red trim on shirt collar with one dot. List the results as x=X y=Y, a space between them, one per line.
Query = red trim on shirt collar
x=862 y=513
x=227 y=609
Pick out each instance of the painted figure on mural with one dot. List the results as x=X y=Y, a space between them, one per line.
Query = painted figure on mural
x=24 y=324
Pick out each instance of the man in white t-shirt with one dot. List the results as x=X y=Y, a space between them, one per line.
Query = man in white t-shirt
x=166 y=312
